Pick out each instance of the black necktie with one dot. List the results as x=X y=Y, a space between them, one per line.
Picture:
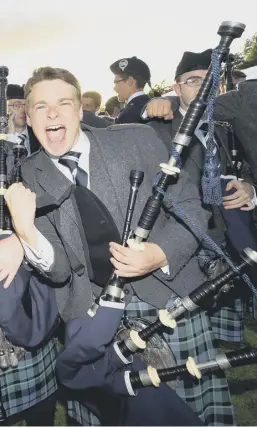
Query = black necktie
x=71 y=161
x=22 y=139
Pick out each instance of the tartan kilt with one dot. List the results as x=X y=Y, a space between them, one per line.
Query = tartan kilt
x=228 y=322
x=209 y=398
x=32 y=381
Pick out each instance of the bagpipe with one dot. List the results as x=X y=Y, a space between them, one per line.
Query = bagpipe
x=113 y=290
x=18 y=152
x=154 y=377
x=80 y=331
x=5 y=220
x=236 y=167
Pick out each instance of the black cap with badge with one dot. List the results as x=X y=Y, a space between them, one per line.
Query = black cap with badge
x=133 y=67
x=192 y=61
x=15 y=92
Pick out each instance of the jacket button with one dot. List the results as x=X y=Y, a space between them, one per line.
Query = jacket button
x=126 y=291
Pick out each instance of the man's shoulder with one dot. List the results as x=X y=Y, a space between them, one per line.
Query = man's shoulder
x=127 y=136
x=121 y=129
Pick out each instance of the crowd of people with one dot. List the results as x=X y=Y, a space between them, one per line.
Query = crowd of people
x=68 y=216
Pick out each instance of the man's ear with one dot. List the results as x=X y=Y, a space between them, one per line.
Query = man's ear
x=28 y=119
x=176 y=89
x=131 y=81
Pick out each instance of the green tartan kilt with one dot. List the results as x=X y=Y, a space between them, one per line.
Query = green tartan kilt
x=228 y=322
x=32 y=381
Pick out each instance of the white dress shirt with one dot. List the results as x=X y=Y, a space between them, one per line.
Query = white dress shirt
x=14 y=137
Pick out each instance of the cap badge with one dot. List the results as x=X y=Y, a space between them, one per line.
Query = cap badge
x=123 y=64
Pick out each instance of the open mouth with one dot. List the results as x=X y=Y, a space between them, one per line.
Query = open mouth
x=56 y=133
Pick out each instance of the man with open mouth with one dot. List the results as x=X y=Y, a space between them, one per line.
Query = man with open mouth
x=100 y=161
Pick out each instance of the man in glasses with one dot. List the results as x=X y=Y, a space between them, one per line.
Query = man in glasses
x=130 y=77
x=190 y=73
x=18 y=131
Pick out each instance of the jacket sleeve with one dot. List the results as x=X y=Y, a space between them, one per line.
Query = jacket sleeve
x=88 y=354
x=28 y=310
x=60 y=270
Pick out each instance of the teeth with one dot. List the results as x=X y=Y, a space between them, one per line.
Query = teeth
x=54 y=127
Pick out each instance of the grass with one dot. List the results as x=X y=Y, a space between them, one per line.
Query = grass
x=243 y=382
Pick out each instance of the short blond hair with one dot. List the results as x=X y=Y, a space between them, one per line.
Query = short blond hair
x=49 y=73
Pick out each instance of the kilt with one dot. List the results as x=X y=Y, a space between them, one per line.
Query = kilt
x=228 y=322
x=32 y=381
x=209 y=398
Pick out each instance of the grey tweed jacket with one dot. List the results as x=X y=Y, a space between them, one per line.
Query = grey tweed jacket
x=114 y=152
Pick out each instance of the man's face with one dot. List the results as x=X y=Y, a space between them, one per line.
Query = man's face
x=54 y=112
x=188 y=86
x=16 y=109
x=122 y=87
x=88 y=104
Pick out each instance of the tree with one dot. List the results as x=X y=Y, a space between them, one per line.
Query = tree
x=159 y=89
x=248 y=57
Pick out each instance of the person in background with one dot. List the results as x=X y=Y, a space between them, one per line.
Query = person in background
x=91 y=101
x=130 y=77
x=18 y=131
x=113 y=107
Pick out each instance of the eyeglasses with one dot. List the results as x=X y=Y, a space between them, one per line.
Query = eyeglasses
x=192 y=81
x=118 y=81
x=16 y=106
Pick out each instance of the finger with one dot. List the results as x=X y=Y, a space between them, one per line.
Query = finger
x=119 y=248
x=119 y=256
x=9 y=280
x=169 y=116
x=234 y=196
x=123 y=274
x=241 y=199
x=167 y=107
x=124 y=269
x=159 y=110
x=238 y=202
x=233 y=184
x=150 y=109
x=250 y=207
x=3 y=274
x=231 y=197
x=234 y=205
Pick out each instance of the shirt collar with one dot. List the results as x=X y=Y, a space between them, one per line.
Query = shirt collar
x=135 y=95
